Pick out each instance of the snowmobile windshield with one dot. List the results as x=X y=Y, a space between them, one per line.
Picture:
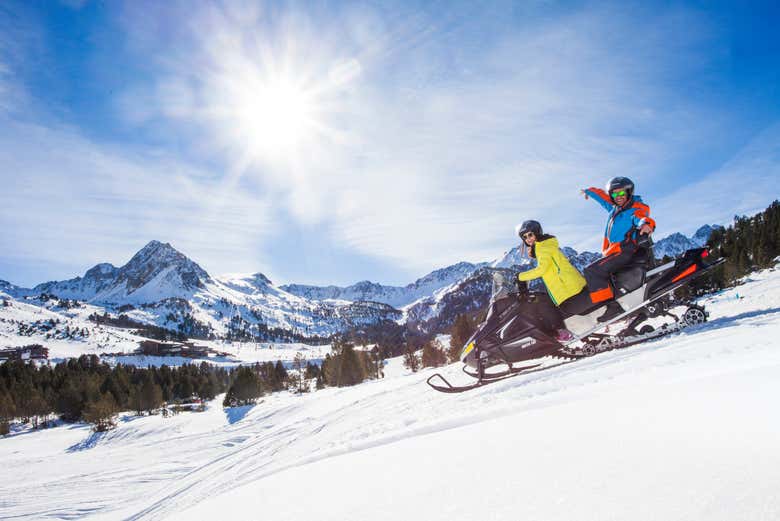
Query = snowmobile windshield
x=502 y=286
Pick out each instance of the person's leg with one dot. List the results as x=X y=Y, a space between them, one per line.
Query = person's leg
x=579 y=304
x=598 y=274
x=549 y=313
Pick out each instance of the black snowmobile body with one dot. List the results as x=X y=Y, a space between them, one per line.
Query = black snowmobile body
x=511 y=333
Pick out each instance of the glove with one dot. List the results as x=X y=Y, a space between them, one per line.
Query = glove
x=522 y=287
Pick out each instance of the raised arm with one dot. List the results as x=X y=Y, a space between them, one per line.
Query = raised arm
x=600 y=196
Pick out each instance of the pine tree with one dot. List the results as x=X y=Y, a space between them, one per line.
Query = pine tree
x=151 y=396
x=433 y=354
x=411 y=358
x=101 y=413
x=377 y=363
x=299 y=364
x=7 y=412
x=462 y=330
x=245 y=389
x=352 y=370
x=280 y=375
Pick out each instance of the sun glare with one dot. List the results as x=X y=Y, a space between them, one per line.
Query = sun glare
x=275 y=118
x=274 y=98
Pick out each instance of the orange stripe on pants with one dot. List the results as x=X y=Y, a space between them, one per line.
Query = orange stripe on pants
x=601 y=295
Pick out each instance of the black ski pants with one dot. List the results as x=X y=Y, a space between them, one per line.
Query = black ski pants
x=599 y=273
x=545 y=314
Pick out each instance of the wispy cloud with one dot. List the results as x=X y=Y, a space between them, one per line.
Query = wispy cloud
x=16 y=34
x=84 y=202
x=744 y=185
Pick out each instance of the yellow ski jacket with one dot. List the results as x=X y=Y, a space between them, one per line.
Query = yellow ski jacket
x=561 y=278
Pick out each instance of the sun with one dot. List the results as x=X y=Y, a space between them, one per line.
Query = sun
x=279 y=105
x=276 y=116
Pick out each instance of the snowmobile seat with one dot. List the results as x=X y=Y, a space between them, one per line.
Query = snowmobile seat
x=629 y=279
x=632 y=277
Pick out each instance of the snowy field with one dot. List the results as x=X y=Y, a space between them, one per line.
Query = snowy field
x=683 y=428
x=116 y=345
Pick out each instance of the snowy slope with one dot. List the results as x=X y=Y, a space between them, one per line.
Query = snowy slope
x=68 y=333
x=682 y=428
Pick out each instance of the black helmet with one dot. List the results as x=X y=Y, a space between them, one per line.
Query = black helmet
x=617 y=183
x=529 y=226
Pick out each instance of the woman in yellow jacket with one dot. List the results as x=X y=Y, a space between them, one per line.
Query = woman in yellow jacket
x=562 y=280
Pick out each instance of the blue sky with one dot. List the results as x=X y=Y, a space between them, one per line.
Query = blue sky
x=331 y=142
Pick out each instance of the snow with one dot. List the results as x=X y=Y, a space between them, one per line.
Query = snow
x=116 y=345
x=681 y=428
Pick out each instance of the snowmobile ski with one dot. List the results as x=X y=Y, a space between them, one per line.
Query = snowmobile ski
x=487 y=380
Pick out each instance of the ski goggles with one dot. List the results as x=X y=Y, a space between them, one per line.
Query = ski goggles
x=619 y=193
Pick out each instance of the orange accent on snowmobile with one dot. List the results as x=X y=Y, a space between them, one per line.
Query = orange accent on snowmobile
x=684 y=273
x=601 y=295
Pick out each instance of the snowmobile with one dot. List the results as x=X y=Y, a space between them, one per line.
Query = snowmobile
x=513 y=337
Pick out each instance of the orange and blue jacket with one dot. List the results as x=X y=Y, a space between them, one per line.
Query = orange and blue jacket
x=623 y=223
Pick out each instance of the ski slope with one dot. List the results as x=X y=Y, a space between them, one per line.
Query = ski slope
x=686 y=427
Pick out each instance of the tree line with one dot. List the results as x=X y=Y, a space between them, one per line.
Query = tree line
x=86 y=389
x=749 y=244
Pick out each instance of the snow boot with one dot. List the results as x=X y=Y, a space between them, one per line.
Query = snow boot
x=563 y=335
x=613 y=309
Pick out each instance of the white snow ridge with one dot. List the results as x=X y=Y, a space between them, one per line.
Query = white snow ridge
x=681 y=428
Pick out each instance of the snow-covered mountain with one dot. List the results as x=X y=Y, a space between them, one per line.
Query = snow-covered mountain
x=676 y=243
x=11 y=290
x=396 y=296
x=162 y=286
x=157 y=272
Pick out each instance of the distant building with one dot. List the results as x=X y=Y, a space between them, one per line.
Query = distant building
x=187 y=349
x=30 y=352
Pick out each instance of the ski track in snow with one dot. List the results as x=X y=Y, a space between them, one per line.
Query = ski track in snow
x=152 y=468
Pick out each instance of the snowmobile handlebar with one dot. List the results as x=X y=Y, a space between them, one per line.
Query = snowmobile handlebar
x=522 y=287
x=644 y=241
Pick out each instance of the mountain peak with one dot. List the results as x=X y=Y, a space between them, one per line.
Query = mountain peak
x=158 y=257
x=261 y=279
x=676 y=243
x=155 y=246
x=102 y=270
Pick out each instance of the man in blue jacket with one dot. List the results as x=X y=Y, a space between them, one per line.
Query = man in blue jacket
x=629 y=217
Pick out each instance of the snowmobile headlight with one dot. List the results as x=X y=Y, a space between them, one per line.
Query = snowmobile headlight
x=467 y=350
